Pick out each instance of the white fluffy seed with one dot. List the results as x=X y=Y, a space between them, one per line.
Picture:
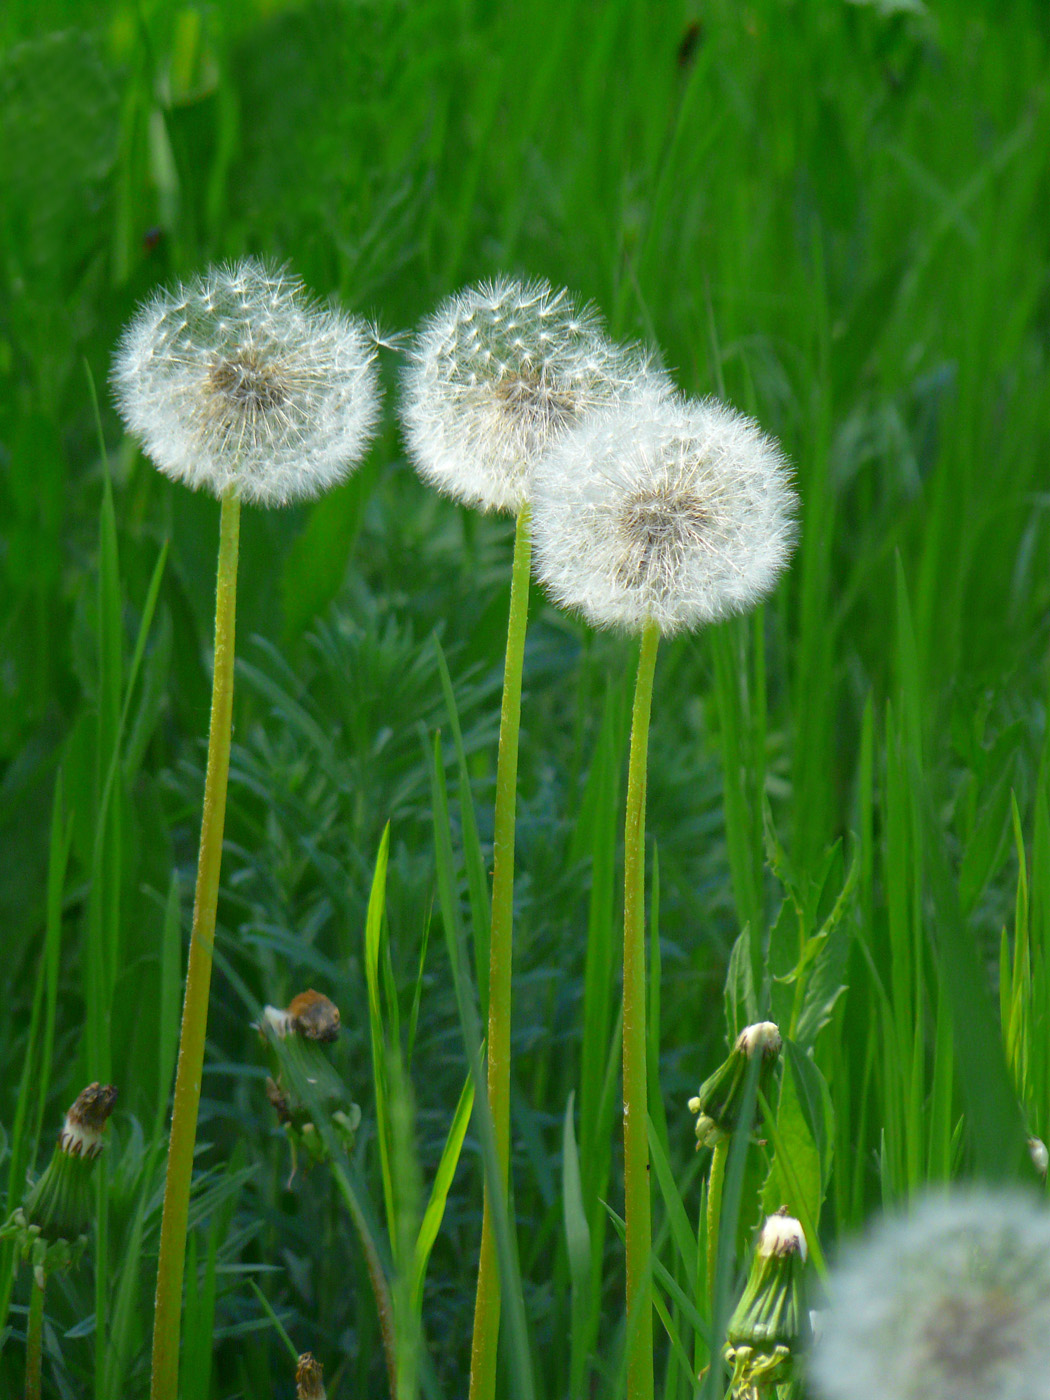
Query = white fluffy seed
x=238 y=379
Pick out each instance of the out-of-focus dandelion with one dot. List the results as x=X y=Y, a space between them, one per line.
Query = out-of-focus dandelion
x=948 y=1302
x=656 y=515
x=315 y=1110
x=496 y=375
x=303 y=1079
x=234 y=382
x=50 y=1227
x=237 y=379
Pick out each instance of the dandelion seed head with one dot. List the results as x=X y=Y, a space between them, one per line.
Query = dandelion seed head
x=660 y=509
x=238 y=379
x=949 y=1303
x=496 y=375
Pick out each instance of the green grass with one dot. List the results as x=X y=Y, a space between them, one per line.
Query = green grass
x=831 y=215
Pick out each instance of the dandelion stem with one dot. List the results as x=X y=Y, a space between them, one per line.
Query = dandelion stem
x=637 y=1206
x=487 y=1302
x=34 y=1337
x=168 y=1305
x=714 y=1212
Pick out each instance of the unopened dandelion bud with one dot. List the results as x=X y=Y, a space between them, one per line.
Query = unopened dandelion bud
x=310 y=1014
x=1039 y=1155
x=236 y=379
x=303 y=1078
x=948 y=1302
x=770 y=1323
x=51 y=1225
x=499 y=373
x=309 y=1378
x=717 y=1105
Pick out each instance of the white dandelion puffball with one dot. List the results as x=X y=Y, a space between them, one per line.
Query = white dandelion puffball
x=237 y=378
x=498 y=373
x=949 y=1303
x=662 y=510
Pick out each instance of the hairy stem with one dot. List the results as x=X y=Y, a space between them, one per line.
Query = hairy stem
x=167 y=1317
x=637 y=1205
x=35 y=1337
x=487 y=1301
x=714 y=1213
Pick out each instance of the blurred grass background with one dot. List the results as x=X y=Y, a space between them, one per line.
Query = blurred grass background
x=835 y=215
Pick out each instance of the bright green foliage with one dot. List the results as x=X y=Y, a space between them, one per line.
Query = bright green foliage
x=834 y=214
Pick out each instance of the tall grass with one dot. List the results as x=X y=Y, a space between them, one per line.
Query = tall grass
x=833 y=215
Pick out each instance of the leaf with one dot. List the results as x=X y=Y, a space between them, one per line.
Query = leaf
x=824 y=984
x=740 y=1000
x=373 y=940
x=801 y=1166
x=434 y=1213
x=987 y=843
x=577 y=1237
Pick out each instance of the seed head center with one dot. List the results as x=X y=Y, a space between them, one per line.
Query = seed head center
x=971 y=1336
x=532 y=397
x=246 y=386
x=656 y=527
x=664 y=518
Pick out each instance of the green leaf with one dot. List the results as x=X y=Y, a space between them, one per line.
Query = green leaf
x=435 y=1211
x=740 y=1000
x=801 y=1166
x=373 y=940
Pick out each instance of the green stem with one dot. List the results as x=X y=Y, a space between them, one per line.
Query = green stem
x=167 y=1315
x=637 y=1205
x=714 y=1213
x=381 y=1293
x=487 y=1301
x=34 y=1337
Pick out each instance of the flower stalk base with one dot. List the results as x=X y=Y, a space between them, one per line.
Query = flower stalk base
x=488 y=1299
x=637 y=1204
x=167 y=1316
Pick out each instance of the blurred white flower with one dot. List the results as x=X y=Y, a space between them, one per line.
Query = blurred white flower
x=496 y=375
x=662 y=510
x=238 y=378
x=951 y=1302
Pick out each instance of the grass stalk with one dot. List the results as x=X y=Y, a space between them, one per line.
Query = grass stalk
x=637 y=1204
x=171 y=1261
x=487 y=1301
x=34 y=1337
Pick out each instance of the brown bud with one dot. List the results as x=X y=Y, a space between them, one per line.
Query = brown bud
x=308 y=1378
x=81 y=1133
x=313 y=1016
